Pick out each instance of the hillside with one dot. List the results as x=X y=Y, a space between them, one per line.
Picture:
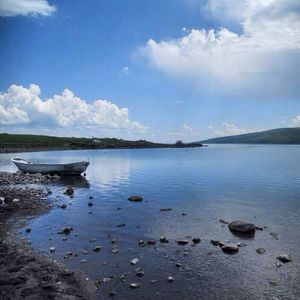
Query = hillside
x=26 y=142
x=274 y=136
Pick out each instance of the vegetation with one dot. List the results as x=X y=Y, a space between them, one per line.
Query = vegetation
x=26 y=142
x=274 y=136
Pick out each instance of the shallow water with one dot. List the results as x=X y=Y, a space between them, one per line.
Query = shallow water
x=260 y=184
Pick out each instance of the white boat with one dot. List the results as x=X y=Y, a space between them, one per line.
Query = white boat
x=61 y=169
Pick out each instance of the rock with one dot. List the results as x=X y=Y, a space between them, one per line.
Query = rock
x=215 y=242
x=85 y=252
x=178 y=264
x=90 y=203
x=66 y=230
x=223 y=221
x=28 y=229
x=134 y=261
x=230 y=248
x=163 y=240
x=83 y=261
x=182 y=242
x=139 y=272
x=241 y=227
x=171 y=278
x=134 y=285
x=151 y=242
x=166 y=209
x=121 y=225
x=135 y=198
x=274 y=235
x=285 y=258
x=69 y=191
x=97 y=248
x=196 y=240
x=259 y=228
x=52 y=249
x=260 y=250
x=153 y=281
x=69 y=253
x=91 y=197
x=141 y=242
x=63 y=206
x=115 y=250
x=183 y=214
x=112 y=293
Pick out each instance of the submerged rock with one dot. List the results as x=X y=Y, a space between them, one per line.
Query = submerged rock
x=90 y=203
x=285 y=258
x=121 y=225
x=171 y=278
x=139 y=272
x=230 y=248
x=63 y=206
x=66 y=230
x=28 y=229
x=241 y=227
x=134 y=285
x=69 y=191
x=135 y=198
x=166 y=209
x=196 y=240
x=260 y=250
x=182 y=242
x=97 y=248
x=215 y=242
x=163 y=240
x=52 y=249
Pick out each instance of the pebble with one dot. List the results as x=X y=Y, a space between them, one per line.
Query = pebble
x=135 y=198
x=151 y=242
x=90 y=203
x=163 y=240
x=134 y=261
x=28 y=229
x=139 y=272
x=182 y=242
x=260 y=250
x=97 y=248
x=166 y=209
x=134 y=285
x=63 y=206
x=178 y=264
x=196 y=240
x=83 y=261
x=223 y=221
x=69 y=191
x=112 y=293
x=121 y=225
x=52 y=249
x=274 y=235
x=230 y=248
x=171 y=278
x=285 y=258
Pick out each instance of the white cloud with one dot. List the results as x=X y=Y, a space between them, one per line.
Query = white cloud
x=189 y=129
x=124 y=71
x=11 y=8
x=228 y=128
x=23 y=106
x=296 y=121
x=263 y=60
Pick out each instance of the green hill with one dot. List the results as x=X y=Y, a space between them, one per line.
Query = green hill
x=274 y=136
x=28 y=142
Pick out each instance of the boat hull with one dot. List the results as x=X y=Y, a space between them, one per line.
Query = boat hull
x=59 y=169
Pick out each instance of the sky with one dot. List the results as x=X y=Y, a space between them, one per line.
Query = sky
x=158 y=70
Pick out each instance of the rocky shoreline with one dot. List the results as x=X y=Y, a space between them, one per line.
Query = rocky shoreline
x=24 y=274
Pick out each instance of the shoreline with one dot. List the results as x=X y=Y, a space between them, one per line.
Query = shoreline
x=25 y=273
x=22 y=150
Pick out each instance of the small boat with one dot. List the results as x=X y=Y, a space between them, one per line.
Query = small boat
x=60 y=169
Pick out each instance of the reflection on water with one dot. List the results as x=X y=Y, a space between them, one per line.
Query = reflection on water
x=259 y=184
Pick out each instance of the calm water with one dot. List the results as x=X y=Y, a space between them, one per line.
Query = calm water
x=260 y=184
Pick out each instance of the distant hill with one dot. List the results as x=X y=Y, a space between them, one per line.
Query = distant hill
x=274 y=136
x=28 y=142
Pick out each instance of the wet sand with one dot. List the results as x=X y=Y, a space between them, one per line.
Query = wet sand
x=25 y=274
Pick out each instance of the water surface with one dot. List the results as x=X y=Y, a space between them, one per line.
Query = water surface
x=260 y=184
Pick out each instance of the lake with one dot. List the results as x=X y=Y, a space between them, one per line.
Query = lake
x=256 y=183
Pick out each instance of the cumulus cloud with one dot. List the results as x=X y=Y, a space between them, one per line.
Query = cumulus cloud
x=11 y=8
x=262 y=60
x=23 y=106
x=228 y=128
x=296 y=121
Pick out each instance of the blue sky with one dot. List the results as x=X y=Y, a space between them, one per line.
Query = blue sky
x=159 y=70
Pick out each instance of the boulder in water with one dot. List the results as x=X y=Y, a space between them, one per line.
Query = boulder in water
x=242 y=228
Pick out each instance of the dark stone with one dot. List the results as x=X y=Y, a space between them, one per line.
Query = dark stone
x=63 y=206
x=163 y=240
x=151 y=242
x=285 y=258
x=135 y=198
x=90 y=203
x=196 y=240
x=182 y=242
x=242 y=228
x=121 y=225
x=166 y=209
x=69 y=191
x=230 y=248
x=260 y=250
